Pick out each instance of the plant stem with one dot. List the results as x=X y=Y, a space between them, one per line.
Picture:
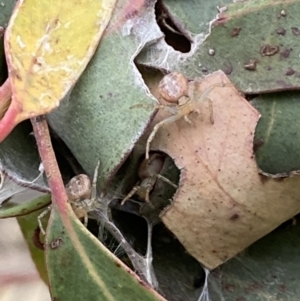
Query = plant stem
x=55 y=182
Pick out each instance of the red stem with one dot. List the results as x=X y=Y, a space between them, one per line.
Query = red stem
x=55 y=182
x=8 y=110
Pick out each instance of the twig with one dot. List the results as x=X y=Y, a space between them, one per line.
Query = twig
x=55 y=182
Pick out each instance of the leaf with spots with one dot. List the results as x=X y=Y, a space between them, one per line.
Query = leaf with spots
x=255 y=43
x=222 y=202
x=47 y=47
x=81 y=268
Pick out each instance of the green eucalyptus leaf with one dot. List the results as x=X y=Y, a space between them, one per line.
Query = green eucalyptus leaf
x=269 y=28
x=7 y=7
x=13 y=150
x=30 y=205
x=277 y=136
x=195 y=16
x=28 y=225
x=22 y=185
x=268 y=270
x=97 y=121
x=192 y=21
x=254 y=43
x=81 y=268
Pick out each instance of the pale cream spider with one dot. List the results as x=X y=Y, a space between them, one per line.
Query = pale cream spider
x=81 y=195
x=174 y=88
x=148 y=173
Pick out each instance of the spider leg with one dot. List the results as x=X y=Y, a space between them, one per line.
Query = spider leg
x=85 y=220
x=211 y=111
x=80 y=211
x=209 y=89
x=146 y=106
x=187 y=119
x=206 y=93
x=162 y=19
x=199 y=112
x=39 y=218
x=147 y=197
x=166 y=180
x=94 y=184
x=156 y=128
x=130 y=194
x=170 y=108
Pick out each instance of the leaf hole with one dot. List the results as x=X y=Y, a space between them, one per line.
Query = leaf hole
x=175 y=36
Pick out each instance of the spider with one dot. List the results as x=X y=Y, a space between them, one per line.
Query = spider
x=148 y=173
x=81 y=195
x=175 y=89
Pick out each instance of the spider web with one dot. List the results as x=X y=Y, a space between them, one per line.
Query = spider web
x=142 y=264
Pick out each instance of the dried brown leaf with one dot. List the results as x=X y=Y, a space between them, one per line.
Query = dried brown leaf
x=222 y=204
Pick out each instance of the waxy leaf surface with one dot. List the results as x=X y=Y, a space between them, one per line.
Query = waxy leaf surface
x=47 y=47
x=81 y=268
x=254 y=43
x=277 y=136
x=97 y=120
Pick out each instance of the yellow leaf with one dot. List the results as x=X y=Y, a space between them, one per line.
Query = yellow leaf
x=48 y=45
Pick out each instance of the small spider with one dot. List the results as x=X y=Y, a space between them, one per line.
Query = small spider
x=175 y=89
x=148 y=173
x=81 y=195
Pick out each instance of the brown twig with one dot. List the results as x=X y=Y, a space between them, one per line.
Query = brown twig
x=55 y=182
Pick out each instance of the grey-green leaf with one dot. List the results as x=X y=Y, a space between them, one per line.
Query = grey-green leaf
x=255 y=43
x=195 y=16
x=277 y=136
x=268 y=270
x=81 y=268
x=23 y=188
x=97 y=121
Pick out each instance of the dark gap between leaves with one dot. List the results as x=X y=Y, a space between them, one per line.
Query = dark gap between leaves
x=172 y=264
x=174 y=37
x=180 y=276
x=4 y=72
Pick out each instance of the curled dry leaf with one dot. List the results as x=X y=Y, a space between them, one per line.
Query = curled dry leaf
x=222 y=202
